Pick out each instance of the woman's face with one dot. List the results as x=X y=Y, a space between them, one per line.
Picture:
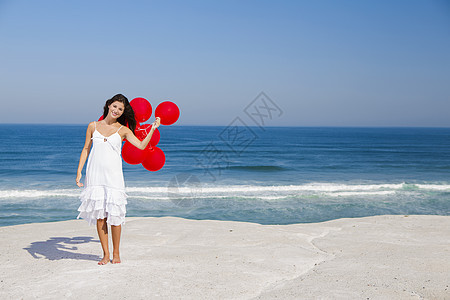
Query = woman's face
x=116 y=109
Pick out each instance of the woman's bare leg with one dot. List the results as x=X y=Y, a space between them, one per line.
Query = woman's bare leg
x=102 y=230
x=116 y=231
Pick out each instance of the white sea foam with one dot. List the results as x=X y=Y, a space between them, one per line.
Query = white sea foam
x=436 y=187
x=313 y=187
x=39 y=193
x=250 y=191
x=349 y=194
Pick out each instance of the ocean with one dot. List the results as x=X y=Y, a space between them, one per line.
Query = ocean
x=267 y=175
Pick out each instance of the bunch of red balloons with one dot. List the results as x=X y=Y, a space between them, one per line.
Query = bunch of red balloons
x=152 y=158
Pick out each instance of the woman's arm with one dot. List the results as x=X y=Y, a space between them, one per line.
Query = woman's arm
x=85 y=152
x=129 y=135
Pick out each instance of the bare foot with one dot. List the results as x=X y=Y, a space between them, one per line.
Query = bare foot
x=116 y=259
x=104 y=261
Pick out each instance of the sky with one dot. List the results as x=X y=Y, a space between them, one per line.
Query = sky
x=322 y=63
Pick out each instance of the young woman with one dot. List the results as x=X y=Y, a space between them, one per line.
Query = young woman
x=103 y=198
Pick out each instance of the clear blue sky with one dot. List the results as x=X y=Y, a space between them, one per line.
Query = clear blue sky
x=325 y=63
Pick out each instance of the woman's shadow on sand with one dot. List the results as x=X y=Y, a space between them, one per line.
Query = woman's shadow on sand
x=56 y=248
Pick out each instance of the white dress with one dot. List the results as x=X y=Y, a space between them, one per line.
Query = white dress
x=104 y=194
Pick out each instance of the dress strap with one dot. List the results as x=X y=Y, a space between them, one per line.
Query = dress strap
x=119 y=128
x=95 y=125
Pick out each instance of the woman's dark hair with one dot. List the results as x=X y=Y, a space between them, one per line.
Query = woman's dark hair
x=127 y=118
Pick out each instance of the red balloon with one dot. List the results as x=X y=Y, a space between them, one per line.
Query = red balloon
x=142 y=109
x=131 y=154
x=168 y=112
x=154 y=159
x=143 y=130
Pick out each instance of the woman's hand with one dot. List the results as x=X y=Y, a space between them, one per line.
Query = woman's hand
x=156 y=123
x=80 y=184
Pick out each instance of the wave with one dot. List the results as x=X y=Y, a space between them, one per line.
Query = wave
x=38 y=193
x=272 y=192
x=436 y=187
x=350 y=194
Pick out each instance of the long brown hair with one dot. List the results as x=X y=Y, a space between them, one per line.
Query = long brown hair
x=127 y=118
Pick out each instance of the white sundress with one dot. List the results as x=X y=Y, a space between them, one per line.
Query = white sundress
x=103 y=195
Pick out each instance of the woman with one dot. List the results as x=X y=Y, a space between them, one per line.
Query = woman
x=103 y=199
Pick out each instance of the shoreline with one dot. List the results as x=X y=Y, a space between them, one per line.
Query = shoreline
x=389 y=256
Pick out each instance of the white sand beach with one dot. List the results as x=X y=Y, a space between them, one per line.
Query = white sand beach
x=381 y=257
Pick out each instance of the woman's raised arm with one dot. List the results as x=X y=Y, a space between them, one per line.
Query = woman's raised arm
x=129 y=135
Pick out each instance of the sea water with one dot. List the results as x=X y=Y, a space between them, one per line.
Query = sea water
x=270 y=175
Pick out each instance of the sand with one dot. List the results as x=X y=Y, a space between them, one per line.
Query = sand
x=381 y=257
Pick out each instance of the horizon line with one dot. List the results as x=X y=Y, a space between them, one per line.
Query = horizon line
x=265 y=126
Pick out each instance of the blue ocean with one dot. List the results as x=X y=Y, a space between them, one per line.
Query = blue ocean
x=268 y=175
